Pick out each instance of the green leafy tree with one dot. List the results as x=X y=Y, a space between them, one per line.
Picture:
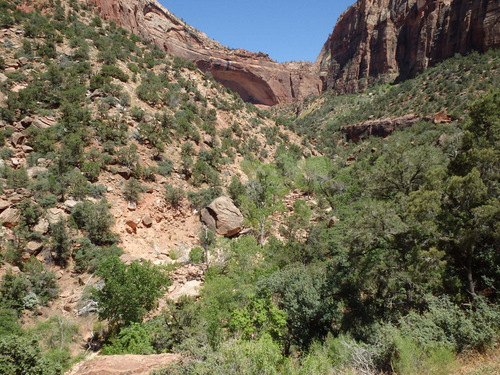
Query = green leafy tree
x=61 y=243
x=263 y=198
x=133 y=339
x=129 y=291
x=22 y=355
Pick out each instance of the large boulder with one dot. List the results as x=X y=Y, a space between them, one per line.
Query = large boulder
x=223 y=216
x=10 y=217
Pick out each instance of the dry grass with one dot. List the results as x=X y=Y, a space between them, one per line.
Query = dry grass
x=480 y=363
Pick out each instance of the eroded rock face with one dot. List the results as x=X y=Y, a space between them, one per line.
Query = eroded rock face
x=400 y=38
x=256 y=77
x=379 y=127
x=223 y=216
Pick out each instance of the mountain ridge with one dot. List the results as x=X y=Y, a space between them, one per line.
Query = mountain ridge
x=400 y=38
x=253 y=75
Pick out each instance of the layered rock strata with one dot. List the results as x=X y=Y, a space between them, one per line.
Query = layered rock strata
x=256 y=77
x=399 y=38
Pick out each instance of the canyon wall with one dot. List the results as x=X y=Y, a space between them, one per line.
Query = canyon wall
x=400 y=38
x=256 y=77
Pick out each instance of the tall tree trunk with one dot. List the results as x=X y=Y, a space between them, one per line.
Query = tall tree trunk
x=471 y=285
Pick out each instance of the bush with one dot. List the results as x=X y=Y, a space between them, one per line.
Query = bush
x=258 y=357
x=446 y=324
x=413 y=359
x=204 y=197
x=22 y=355
x=115 y=72
x=165 y=167
x=87 y=256
x=42 y=282
x=196 y=255
x=174 y=195
x=61 y=244
x=134 y=339
x=132 y=190
x=14 y=289
x=95 y=220
x=8 y=322
x=130 y=291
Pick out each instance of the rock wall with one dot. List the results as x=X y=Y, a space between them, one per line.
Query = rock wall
x=256 y=77
x=399 y=38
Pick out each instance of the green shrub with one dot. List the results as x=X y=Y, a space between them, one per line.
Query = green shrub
x=16 y=178
x=22 y=355
x=174 y=195
x=98 y=81
x=130 y=291
x=197 y=255
x=55 y=335
x=115 y=72
x=446 y=324
x=14 y=289
x=204 y=197
x=412 y=359
x=204 y=173
x=165 y=167
x=133 y=339
x=42 y=282
x=60 y=241
x=95 y=220
x=27 y=290
x=262 y=356
x=132 y=190
x=88 y=256
x=8 y=322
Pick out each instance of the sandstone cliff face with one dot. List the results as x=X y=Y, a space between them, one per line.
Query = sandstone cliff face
x=256 y=77
x=399 y=38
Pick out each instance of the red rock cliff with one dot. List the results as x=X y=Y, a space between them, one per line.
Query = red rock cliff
x=256 y=77
x=399 y=38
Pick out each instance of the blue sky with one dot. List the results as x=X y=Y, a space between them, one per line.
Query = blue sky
x=285 y=29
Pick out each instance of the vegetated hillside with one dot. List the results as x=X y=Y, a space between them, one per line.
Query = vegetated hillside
x=253 y=75
x=108 y=145
x=448 y=88
x=380 y=257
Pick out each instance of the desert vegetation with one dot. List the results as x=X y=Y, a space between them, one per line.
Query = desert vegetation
x=380 y=256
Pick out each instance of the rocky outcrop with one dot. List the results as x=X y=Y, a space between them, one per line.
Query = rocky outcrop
x=223 y=216
x=379 y=127
x=399 y=38
x=129 y=364
x=10 y=217
x=255 y=76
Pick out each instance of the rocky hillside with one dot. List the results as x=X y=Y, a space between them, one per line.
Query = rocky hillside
x=100 y=125
x=399 y=38
x=254 y=76
x=387 y=39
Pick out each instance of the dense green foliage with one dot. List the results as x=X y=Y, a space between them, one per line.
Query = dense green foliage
x=416 y=217
x=129 y=292
x=376 y=256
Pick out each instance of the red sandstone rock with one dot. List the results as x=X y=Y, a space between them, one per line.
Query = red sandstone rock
x=402 y=38
x=442 y=118
x=378 y=127
x=255 y=76
x=124 y=364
